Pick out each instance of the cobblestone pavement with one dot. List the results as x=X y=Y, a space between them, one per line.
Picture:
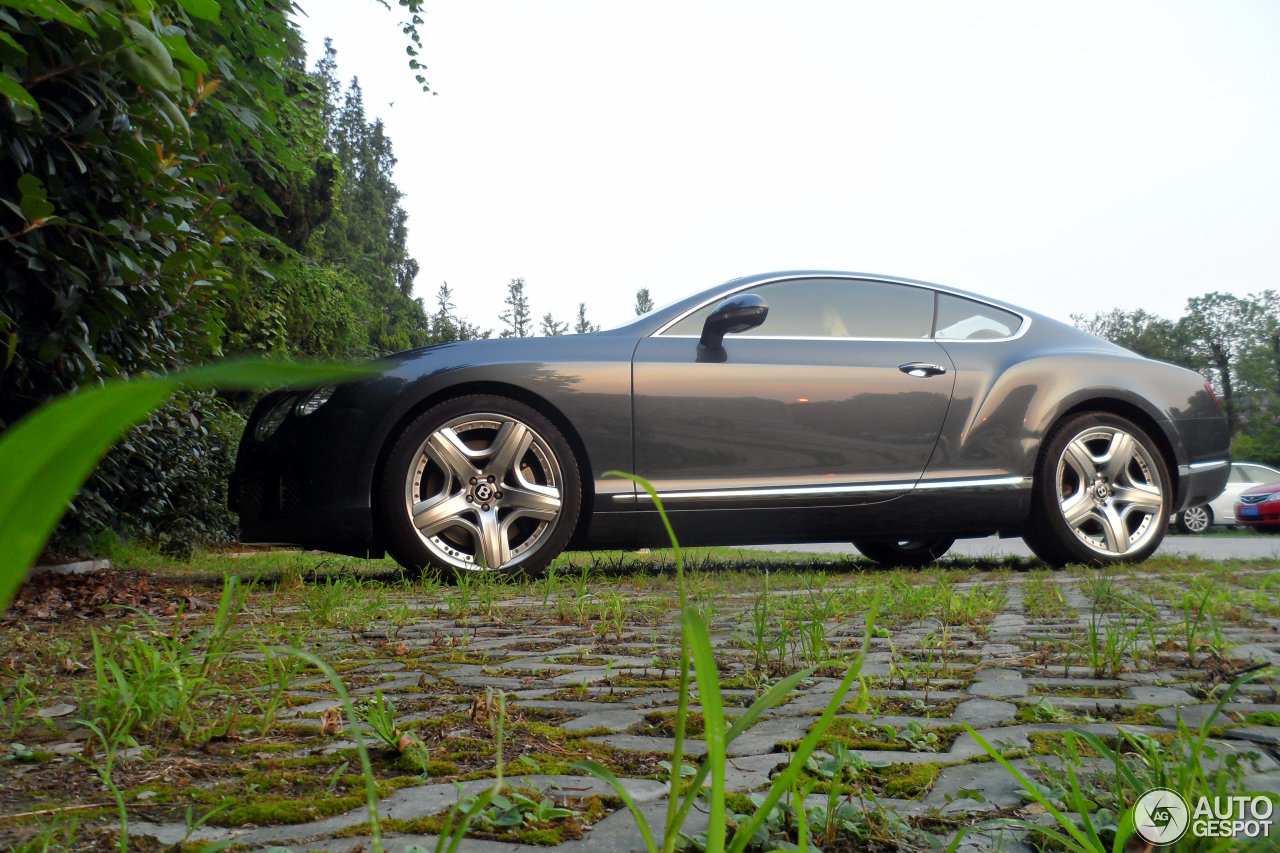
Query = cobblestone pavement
x=1234 y=547
x=1021 y=675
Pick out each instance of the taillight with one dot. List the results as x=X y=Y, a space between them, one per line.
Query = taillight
x=1216 y=401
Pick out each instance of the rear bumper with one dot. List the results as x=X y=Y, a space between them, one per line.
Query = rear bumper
x=1200 y=483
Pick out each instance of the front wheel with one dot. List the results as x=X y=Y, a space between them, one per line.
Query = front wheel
x=1195 y=519
x=479 y=482
x=1100 y=495
x=904 y=552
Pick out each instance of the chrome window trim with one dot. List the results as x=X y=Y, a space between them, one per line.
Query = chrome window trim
x=811 y=491
x=1022 y=330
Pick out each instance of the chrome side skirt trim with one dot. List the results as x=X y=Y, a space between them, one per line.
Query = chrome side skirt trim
x=982 y=483
x=1202 y=466
x=819 y=491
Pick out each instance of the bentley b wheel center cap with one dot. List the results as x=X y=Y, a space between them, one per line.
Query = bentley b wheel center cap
x=1101 y=491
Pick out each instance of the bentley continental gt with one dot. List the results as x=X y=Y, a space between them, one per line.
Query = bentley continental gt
x=781 y=408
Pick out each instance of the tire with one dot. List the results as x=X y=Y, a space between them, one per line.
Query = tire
x=904 y=552
x=1195 y=519
x=495 y=486
x=1101 y=493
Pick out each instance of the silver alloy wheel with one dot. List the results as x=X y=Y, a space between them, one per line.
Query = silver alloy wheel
x=1195 y=519
x=483 y=491
x=1109 y=490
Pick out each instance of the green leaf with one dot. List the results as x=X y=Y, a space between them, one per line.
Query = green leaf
x=46 y=456
x=35 y=203
x=12 y=43
x=180 y=50
x=207 y=10
x=53 y=10
x=13 y=90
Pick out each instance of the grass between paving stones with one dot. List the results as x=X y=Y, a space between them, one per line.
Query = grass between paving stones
x=191 y=712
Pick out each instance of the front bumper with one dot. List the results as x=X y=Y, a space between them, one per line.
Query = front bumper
x=1268 y=514
x=307 y=485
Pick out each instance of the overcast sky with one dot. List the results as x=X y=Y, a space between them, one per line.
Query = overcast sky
x=1066 y=157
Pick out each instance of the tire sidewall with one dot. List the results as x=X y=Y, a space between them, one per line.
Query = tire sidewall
x=402 y=539
x=1051 y=537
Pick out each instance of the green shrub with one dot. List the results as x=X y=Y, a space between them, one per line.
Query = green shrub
x=165 y=483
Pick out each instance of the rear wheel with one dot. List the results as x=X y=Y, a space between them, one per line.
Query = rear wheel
x=904 y=552
x=1195 y=519
x=1101 y=493
x=479 y=482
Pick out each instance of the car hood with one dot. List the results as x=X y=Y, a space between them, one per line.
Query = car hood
x=1264 y=489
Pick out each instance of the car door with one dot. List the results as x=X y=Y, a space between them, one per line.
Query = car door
x=836 y=399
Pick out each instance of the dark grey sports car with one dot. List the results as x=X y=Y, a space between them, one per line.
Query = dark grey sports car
x=789 y=407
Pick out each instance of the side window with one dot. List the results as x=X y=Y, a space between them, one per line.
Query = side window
x=1257 y=474
x=962 y=319
x=833 y=308
x=1237 y=475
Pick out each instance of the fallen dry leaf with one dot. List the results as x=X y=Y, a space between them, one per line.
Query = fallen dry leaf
x=331 y=721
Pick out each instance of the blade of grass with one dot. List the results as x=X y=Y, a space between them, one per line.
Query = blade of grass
x=704 y=667
x=370 y=783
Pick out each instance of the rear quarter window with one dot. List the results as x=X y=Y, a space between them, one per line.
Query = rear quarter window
x=961 y=319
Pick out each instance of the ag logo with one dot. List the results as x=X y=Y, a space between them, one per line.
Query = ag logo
x=1161 y=816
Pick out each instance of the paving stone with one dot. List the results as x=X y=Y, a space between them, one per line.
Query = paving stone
x=1161 y=696
x=998 y=684
x=617 y=720
x=1192 y=715
x=1267 y=735
x=997 y=786
x=1257 y=652
x=639 y=743
x=1051 y=683
x=494 y=681
x=761 y=738
x=316 y=707
x=984 y=713
x=1262 y=783
x=387 y=687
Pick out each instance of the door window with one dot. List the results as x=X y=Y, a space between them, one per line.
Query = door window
x=833 y=308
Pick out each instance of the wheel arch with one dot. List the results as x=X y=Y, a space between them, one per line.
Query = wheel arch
x=499 y=389
x=1132 y=412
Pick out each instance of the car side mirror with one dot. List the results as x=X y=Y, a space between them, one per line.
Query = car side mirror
x=736 y=314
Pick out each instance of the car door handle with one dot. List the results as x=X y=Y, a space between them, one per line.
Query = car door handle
x=921 y=369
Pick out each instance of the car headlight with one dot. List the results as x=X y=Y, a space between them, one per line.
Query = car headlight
x=274 y=417
x=317 y=398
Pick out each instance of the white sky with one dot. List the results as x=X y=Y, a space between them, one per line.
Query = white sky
x=1066 y=157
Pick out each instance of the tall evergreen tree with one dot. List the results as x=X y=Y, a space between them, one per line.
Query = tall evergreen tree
x=517 y=318
x=583 y=325
x=551 y=327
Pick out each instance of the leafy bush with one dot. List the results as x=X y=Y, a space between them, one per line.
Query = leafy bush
x=165 y=482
